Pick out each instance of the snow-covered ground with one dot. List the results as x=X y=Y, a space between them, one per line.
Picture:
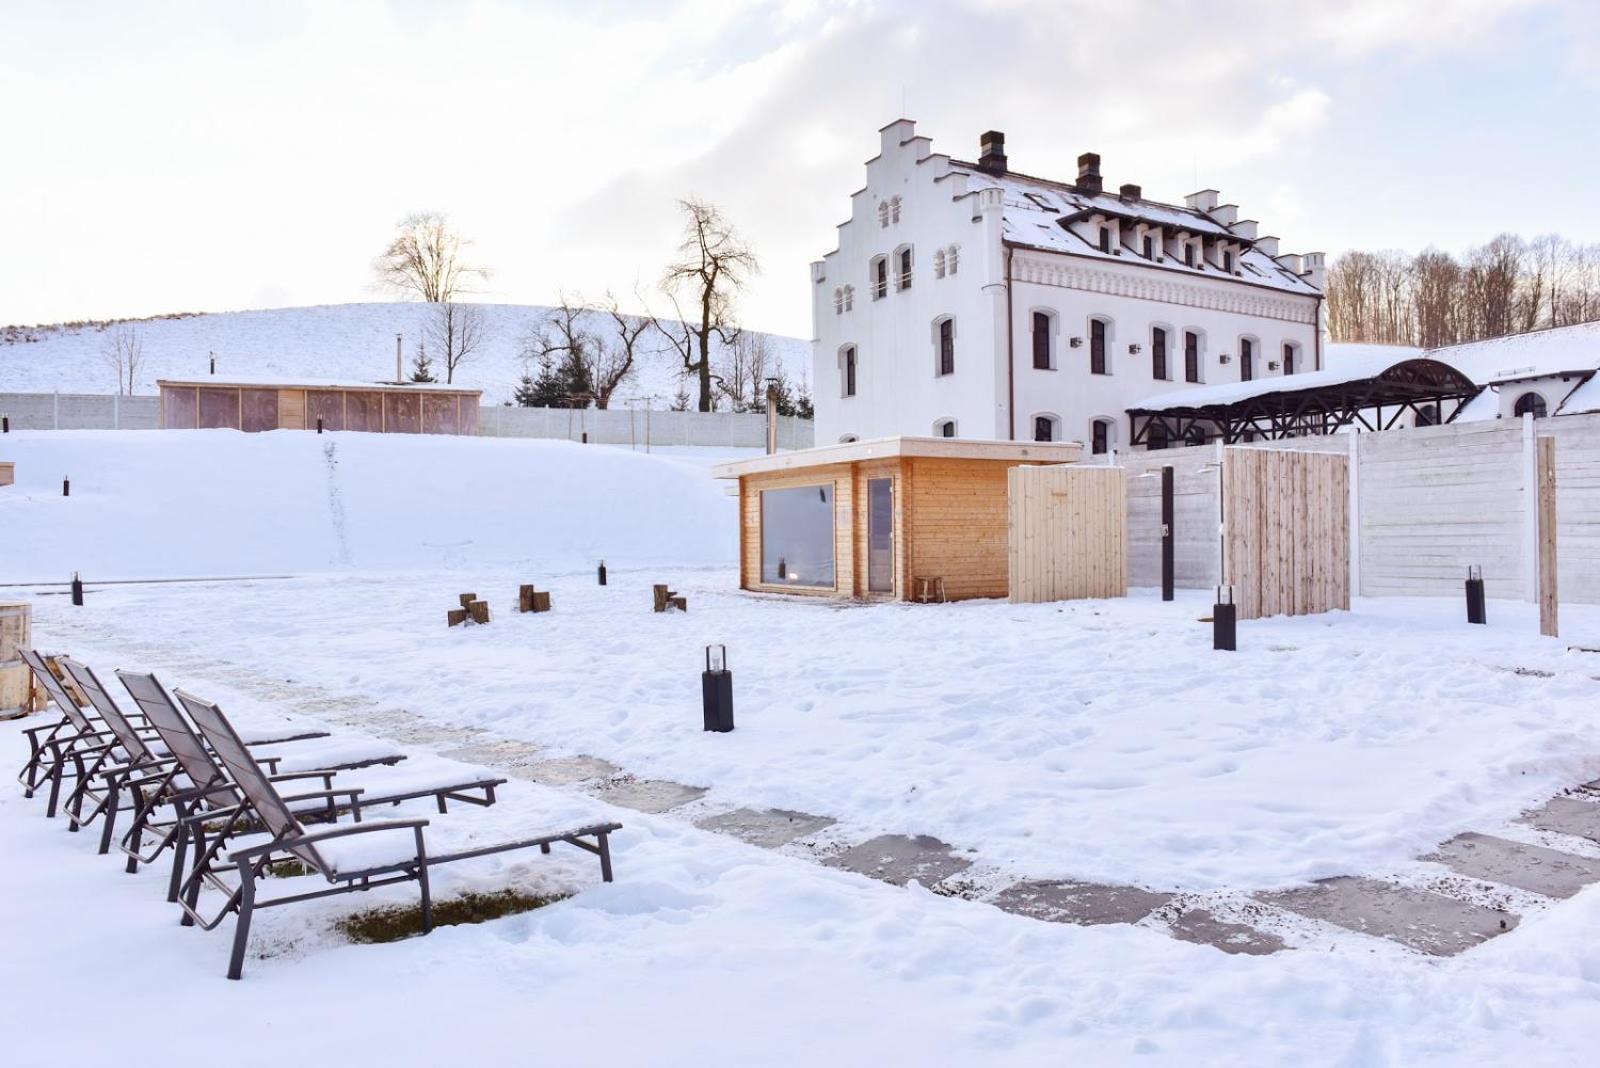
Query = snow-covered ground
x=348 y=342
x=1090 y=740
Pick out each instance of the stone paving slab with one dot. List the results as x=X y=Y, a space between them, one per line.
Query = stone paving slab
x=426 y=735
x=649 y=795
x=1528 y=867
x=899 y=858
x=1566 y=816
x=1061 y=901
x=1201 y=926
x=1429 y=923
x=505 y=753
x=565 y=771
x=769 y=828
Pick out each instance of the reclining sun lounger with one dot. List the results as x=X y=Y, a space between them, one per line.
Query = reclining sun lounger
x=351 y=858
x=346 y=795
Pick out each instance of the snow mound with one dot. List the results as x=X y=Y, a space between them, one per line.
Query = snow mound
x=217 y=503
x=346 y=342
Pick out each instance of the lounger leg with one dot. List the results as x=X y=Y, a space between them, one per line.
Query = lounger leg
x=241 y=928
x=113 y=802
x=422 y=881
x=180 y=851
x=192 y=896
x=605 y=856
x=55 y=790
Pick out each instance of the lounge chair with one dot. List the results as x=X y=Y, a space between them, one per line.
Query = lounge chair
x=336 y=798
x=351 y=858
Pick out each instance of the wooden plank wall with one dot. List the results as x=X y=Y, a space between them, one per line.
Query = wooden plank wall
x=955 y=524
x=844 y=569
x=1197 y=487
x=1067 y=533
x=1286 y=531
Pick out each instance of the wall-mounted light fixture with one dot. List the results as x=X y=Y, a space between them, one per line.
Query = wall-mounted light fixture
x=1272 y=365
x=1225 y=358
x=1134 y=348
x=1076 y=342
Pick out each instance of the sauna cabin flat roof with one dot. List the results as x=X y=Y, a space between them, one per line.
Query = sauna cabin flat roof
x=280 y=382
x=1060 y=452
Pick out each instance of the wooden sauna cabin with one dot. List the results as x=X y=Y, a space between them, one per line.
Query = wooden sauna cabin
x=900 y=518
x=374 y=407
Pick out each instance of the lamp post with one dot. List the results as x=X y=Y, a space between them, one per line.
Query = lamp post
x=716 y=689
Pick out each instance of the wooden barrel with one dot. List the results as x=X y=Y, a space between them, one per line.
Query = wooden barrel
x=16 y=632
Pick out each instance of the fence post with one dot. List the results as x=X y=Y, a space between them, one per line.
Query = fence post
x=1530 y=511
x=1353 y=509
x=55 y=417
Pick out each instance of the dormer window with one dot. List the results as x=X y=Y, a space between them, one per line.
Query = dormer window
x=1149 y=247
x=1227 y=262
x=1188 y=253
x=1105 y=239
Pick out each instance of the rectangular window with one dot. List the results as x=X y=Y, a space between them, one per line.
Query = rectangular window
x=880 y=279
x=880 y=535
x=947 y=347
x=1227 y=262
x=1041 y=341
x=1188 y=255
x=1097 y=346
x=905 y=269
x=1105 y=239
x=1098 y=433
x=797 y=528
x=947 y=429
x=1149 y=247
x=1191 y=357
x=1247 y=359
x=1158 y=353
x=850 y=371
x=1288 y=359
x=1043 y=428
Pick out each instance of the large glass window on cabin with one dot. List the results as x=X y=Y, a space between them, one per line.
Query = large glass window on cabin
x=797 y=528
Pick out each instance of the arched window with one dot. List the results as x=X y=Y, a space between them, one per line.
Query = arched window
x=849 y=298
x=902 y=260
x=1427 y=415
x=1191 y=356
x=938 y=263
x=1247 y=359
x=1158 y=353
x=1195 y=435
x=883 y=213
x=944 y=428
x=880 y=277
x=894 y=209
x=1530 y=403
x=838 y=300
x=1290 y=352
x=1046 y=428
x=1155 y=437
x=1099 y=339
x=1100 y=436
x=1043 y=336
x=952 y=258
x=847 y=371
x=944 y=346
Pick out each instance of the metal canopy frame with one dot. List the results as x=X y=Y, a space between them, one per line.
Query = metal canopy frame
x=1427 y=388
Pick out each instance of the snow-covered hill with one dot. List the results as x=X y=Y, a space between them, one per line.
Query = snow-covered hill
x=353 y=342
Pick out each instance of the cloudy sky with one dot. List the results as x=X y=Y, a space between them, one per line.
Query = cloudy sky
x=210 y=156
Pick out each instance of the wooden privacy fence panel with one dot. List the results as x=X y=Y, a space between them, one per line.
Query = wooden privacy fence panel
x=1067 y=533
x=1197 y=554
x=1286 y=531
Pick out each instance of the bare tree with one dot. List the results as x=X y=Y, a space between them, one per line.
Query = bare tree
x=621 y=352
x=457 y=332
x=123 y=350
x=743 y=371
x=713 y=266
x=426 y=258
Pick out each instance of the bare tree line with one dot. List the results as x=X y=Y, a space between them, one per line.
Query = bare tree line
x=1510 y=285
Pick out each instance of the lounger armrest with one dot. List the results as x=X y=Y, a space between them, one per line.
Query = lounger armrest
x=212 y=814
x=135 y=769
x=296 y=776
x=352 y=793
x=31 y=731
x=323 y=836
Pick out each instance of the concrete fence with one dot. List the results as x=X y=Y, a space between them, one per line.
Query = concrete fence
x=1424 y=504
x=617 y=426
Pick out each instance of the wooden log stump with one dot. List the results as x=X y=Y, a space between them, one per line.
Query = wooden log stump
x=467 y=599
x=479 y=611
x=665 y=598
x=456 y=616
x=532 y=600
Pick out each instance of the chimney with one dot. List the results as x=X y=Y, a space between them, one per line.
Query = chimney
x=1130 y=192
x=1204 y=200
x=992 y=153
x=1089 y=174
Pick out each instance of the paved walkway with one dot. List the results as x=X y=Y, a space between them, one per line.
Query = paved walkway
x=1470 y=884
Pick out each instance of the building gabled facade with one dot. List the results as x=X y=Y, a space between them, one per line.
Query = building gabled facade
x=968 y=300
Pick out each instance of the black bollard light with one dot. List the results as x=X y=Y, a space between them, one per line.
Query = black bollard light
x=1225 y=621
x=716 y=688
x=319 y=424
x=77 y=589
x=1477 y=612
x=5 y=424
x=602 y=572
x=66 y=487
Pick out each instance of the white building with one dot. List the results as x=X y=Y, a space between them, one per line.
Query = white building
x=968 y=300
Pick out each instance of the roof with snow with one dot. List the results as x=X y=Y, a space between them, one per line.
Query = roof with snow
x=1036 y=211
x=1060 y=452
x=283 y=382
